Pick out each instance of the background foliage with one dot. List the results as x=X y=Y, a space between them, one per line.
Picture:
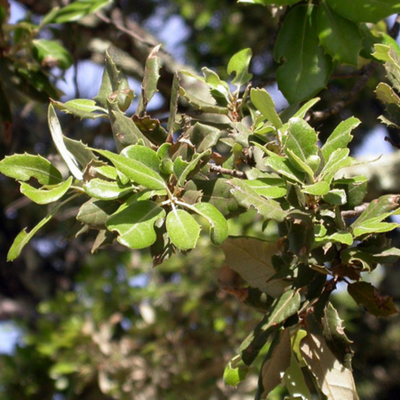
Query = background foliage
x=107 y=325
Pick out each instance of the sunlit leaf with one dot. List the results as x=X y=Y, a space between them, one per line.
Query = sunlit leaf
x=22 y=167
x=106 y=190
x=82 y=108
x=239 y=64
x=58 y=140
x=135 y=170
x=262 y=100
x=135 y=224
x=247 y=197
x=51 y=52
x=340 y=137
x=218 y=224
x=46 y=195
x=334 y=380
x=235 y=371
x=183 y=230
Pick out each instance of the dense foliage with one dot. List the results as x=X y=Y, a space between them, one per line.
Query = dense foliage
x=218 y=176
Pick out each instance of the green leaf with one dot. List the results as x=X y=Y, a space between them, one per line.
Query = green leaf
x=283 y=166
x=24 y=237
x=317 y=189
x=378 y=210
x=262 y=100
x=151 y=128
x=306 y=68
x=335 y=381
x=367 y=295
x=76 y=10
x=365 y=11
x=340 y=137
x=269 y=2
x=80 y=151
x=202 y=105
x=239 y=64
x=303 y=110
x=124 y=129
x=106 y=190
x=374 y=226
x=301 y=139
x=294 y=380
x=135 y=224
x=252 y=259
x=247 y=197
x=82 y=108
x=22 y=167
x=150 y=80
x=135 y=170
x=270 y=187
x=96 y=212
x=336 y=197
x=182 y=169
x=355 y=189
x=58 y=139
x=142 y=155
x=390 y=56
x=235 y=371
x=203 y=137
x=173 y=105
x=337 y=160
x=336 y=339
x=340 y=37
x=218 y=88
x=281 y=309
x=183 y=230
x=218 y=224
x=215 y=192
x=50 y=52
x=48 y=195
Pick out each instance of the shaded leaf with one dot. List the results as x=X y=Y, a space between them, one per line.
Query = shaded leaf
x=367 y=295
x=203 y=137
x=281 y=309
x=365 y=11
x=306 y=68
x=335 y=337
x=151 y=129
x=96 y=212
x=294 y=380
x=252 y=259
x=340 y=37
x=274 y=368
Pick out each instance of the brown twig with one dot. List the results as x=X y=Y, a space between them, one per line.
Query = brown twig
x=358 y=210
x=231 y=172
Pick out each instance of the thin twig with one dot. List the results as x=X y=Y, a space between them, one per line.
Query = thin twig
x=231 y=172
x=358 y=210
